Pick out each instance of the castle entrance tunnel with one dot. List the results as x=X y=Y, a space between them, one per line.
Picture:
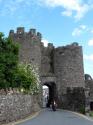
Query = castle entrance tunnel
x=49 y=93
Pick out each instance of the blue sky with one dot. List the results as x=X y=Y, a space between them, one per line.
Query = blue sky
x=61 y=22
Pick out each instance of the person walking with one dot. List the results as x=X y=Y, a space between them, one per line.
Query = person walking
x=54 y=105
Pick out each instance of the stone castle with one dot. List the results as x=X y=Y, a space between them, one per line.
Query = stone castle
x=61 y=68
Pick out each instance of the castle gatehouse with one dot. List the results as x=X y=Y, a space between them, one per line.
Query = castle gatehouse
x=60 y=68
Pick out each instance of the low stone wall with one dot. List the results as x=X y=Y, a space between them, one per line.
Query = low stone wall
x=17 y=106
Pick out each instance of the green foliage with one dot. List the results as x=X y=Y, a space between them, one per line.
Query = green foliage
x=8 y=61
x=91 y=114
x=82 y=109
x=12 y=74
x=27 y=78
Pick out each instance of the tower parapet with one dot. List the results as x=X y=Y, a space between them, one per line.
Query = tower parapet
x=20 y=33
x=20 y=30
x=32 y=31
x=11 y=33
x=75 y=44
x=39 y=35
x=50 y=45
x=30 y=45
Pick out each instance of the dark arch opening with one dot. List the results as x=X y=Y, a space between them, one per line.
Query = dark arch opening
x=51 y=94
x=91 y=106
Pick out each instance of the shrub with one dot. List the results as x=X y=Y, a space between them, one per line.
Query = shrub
x=91 y=114
x=27 y=78
x=82 y=109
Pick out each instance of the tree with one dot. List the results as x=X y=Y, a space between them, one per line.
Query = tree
x=13 y=74
x=8 y=61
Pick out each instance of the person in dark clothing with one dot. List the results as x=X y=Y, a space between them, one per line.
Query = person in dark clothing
x=54 y=105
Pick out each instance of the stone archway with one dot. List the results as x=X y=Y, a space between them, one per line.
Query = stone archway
x=52 y=92
x=50 y=82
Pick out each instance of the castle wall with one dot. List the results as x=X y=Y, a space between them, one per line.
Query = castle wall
x=68 y=67
x=47 y=60
x=29 y=43
x=89 y=85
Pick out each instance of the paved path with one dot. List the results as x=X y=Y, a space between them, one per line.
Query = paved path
x=59 y=117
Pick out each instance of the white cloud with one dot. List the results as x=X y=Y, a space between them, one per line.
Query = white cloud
x=45 y=42
x=82 y=11
x=90 y=42
x=80 y=30
x=67 y=13
x=83 y=27
x=75 y=8
x=76 y=32
x=88 y=57
x=78 y=6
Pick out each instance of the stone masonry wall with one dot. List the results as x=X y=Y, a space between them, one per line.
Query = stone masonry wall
x=47 y=68
x=75 y=99
x=68 y=67
x=69 y=72
x=29 y=43
x=89 y=85
x=17 y=106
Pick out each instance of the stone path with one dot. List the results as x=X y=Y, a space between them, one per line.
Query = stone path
x=59 y=117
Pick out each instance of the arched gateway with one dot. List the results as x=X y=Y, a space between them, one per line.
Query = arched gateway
x=50 y=82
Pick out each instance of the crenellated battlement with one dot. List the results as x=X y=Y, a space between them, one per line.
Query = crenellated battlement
x=50 y=45
x=39 y=35
x=21 y=31
x=11 y=32
x=68 y=47
x=32 y=31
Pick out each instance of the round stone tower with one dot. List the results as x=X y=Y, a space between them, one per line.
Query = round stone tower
x=69 y=72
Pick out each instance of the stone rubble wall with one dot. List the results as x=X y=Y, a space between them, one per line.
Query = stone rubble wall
x=29 y=43
x=68 y=67
x=47 y=67
x=89 y=85
x=75 y=99
x=17 y=106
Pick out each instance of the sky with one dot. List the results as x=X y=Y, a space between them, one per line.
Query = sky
x=61 y=22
